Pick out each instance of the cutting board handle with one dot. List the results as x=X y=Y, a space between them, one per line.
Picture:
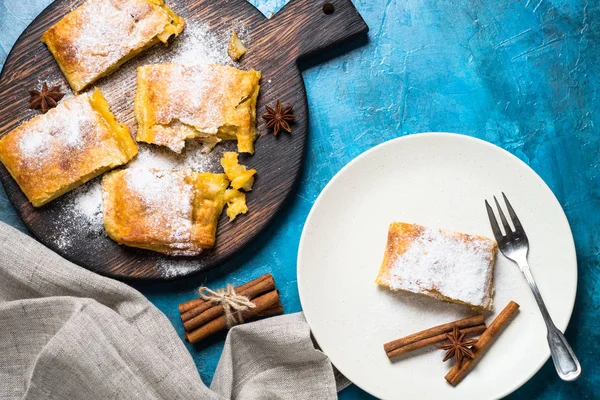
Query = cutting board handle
x=305 y=28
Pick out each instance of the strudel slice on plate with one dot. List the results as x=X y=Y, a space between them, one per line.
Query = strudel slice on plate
x=54 y=153
x=446 y=265
x=171 y=212
x=96 y=38
x=209 y=103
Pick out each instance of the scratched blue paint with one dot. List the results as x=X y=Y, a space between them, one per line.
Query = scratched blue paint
x=521 y=74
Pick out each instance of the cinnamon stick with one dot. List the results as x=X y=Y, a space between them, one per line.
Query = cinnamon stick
x=199 y=316
x=189 y=305
x=470 y=331
x=269 y=312
x=435 y=331
x=265 y=304
x=277 y=309
x=457 y=373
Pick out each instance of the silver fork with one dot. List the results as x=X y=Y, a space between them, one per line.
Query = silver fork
x=515 y=246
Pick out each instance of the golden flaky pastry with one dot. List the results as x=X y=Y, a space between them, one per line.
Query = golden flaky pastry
x=209 y=103
x=54 y=153
x=446 y=265
x=171 y=212
x=96 y=38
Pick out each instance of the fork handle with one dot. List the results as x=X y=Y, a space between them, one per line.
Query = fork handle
x=565 y=361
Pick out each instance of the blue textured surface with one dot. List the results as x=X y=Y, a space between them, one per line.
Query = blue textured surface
x=521 y=74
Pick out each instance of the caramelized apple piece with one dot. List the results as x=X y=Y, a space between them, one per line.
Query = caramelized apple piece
x=236 y=48
x=239 y=175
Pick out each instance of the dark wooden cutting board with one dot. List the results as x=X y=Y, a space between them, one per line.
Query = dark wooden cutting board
x=304 y=30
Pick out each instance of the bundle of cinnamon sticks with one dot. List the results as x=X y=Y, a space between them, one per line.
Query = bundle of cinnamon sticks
x=470 y=326
x=202 y=318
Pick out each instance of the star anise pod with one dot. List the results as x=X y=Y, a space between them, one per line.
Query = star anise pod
x=458 y=347
x=279 y=117
x=45 y=99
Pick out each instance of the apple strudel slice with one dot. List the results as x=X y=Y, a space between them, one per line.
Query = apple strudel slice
x=56 y=152
x=170 y=212
x=449 y=266
x=210 y=103
x=96 y=38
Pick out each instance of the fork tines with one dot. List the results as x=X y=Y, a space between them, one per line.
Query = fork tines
x=507 y=228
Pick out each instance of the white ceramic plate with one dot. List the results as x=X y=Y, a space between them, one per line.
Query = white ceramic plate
x=437 y=180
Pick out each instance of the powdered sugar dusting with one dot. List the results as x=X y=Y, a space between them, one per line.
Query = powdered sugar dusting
x=81 y=210
x=160 y=158
x=172 y=268
x=63 y=129
x=197 y=45
x=32 y=144
x=445 y=263
x=106 y=31
x=88 y=203
x=169 y=197
x=194 y=95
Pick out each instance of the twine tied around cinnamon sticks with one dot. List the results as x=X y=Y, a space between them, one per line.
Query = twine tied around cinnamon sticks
x=221 y=309
x=233 y=303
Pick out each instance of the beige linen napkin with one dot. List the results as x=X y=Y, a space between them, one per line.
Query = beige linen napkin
x=67 y=333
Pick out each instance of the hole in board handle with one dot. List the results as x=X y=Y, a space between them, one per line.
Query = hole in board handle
x=328 y=8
